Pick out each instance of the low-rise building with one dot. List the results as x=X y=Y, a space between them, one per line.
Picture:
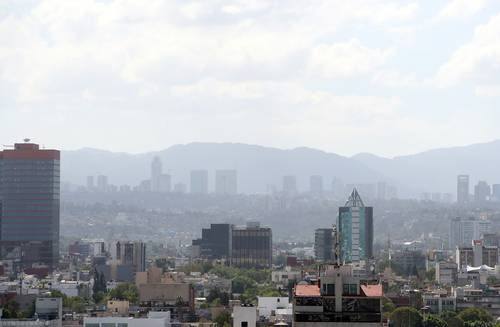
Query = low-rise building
x=245 y=316
x=339 y=298
x=154 y=319
x=446 y=273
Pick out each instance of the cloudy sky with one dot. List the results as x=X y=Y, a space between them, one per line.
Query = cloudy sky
x=380 y=76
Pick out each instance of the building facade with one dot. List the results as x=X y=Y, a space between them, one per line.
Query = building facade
x=462 y=189
x=29 y=209
x=226 y=182
x=355 y=228
x=339 y=298
x=251 y=246
x=324 y=244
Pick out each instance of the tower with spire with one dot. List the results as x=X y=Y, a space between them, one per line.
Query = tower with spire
x=355 y=230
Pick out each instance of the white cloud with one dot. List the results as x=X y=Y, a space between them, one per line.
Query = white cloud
x=478 y=60
x=459 y=9
x=345 y=59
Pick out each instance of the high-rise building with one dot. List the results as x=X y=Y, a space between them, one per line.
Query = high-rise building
x=90 y=182
x=355 y=228
x=482 y=192
x=226 y=182
x=316 y=184
x=129 y=253
x=324 y=244
x=102 y=183
x=464 y=230
x=289 y=185
x=199 y=181
x=251 y=246
x=29 y=205
x=156 y=172
x=462 y=189
x=495 y=192
x=215 y=242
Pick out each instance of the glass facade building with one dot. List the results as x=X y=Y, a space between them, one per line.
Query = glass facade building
x=252 y=246
x=355 y=228
x=29 y=196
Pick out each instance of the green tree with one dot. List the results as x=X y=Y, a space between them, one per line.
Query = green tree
x=451 y=318
x=431 y=274
x=11 y=310
x=434 y=321
x=125 y=291
x=475 y=314
x=99 y=288
x=224 y=318
x=406 y=317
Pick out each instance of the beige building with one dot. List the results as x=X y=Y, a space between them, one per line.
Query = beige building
x=117 y=307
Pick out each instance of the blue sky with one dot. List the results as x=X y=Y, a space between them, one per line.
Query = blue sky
x=379 y=76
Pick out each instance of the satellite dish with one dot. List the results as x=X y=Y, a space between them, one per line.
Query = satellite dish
x=26 y=140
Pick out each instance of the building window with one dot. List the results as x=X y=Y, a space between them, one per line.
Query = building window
x=244 y=324
x=91 y=325
x=122 y=324
x=108 y=324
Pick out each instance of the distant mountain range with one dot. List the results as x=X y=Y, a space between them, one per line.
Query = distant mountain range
x=258 y=166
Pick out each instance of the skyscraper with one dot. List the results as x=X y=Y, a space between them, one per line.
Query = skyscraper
x=324 y=244
x=156 y=171
x=102 y=183
x=199 y=181
x=316 y=184
x=462 y=189
x=226 y=182
x=289 y=185
x=251 y=246
x=482 y=191
x=355 y=228
x=465 y=230
x=29 y=210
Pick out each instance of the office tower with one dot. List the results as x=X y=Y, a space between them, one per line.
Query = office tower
x=289 y=185
x=102 y=183
x=129 y=253
x=495 y=194
x=462 y=189
x=355 y=228
x=251 y=246
x=226 y=182
x=199 y=181
x=381 y=190
x=337 y=187
x=29 y=210
x=316 y=184
x=215 y=242
x=464 y=230
x=90 y=182
x=165 y=185
x=156 y=171
x=323 y=244
x=482 y=192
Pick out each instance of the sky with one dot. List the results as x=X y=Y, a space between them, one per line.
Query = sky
x=379 y=76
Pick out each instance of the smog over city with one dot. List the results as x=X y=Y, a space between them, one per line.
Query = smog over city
x=217 y=163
